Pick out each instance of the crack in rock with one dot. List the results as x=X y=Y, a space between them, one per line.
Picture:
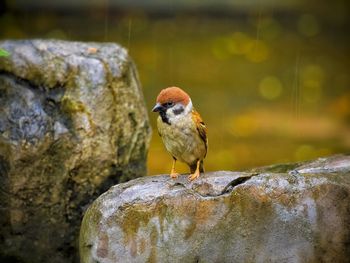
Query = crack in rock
x=220 y=185
x=240 y=180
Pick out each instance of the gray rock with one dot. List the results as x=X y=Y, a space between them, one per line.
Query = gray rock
x=72 y=123
x=265 y=216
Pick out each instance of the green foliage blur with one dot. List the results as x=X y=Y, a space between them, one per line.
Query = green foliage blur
x=271 y=81
x=4 y=53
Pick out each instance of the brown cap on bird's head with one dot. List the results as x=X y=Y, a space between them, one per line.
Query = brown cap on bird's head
x=173 y=94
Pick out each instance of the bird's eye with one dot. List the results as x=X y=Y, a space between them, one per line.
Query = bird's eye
x=169 y=104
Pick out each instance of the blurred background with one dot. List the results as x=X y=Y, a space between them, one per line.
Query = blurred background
x=270 y=78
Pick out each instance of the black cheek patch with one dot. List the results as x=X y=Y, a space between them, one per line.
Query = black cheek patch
x=178 y=111
x=164 y=117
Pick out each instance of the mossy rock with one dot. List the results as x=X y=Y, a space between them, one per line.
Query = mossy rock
x=298 y=215
x=73 y=122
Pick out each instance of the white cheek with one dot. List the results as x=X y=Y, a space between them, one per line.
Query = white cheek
x=189 y=107
x=169 y=113
x=177 y=117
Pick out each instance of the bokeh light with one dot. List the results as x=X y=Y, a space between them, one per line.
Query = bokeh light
x=258 y=51
x=308 y=25
x=270 y=78
x=239 y=43
x=312 y=78
x=270 y=87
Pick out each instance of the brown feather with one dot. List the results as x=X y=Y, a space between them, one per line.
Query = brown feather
x=201 y=128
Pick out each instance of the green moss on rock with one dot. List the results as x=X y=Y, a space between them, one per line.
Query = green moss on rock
x=66 y=115
x=220 y=218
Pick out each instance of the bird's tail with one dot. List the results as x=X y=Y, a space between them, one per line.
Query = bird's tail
x=193 y=167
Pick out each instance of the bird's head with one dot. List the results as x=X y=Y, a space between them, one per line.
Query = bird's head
x=172 y=103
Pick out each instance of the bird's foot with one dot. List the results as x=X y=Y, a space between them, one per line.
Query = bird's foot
x=193 y=176
x=174 y=175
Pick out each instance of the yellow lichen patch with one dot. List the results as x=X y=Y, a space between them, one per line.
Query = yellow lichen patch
x=248 y=200
x=133 y=218
x=190 y=229
x=283 y=197
x=91 y=219
x=200 y=215
x=185 y=206
x=258 y=194
x=142 y=245
x=204 y=211
x=153 y=255
x=70 y=105
x=133 y=247
x=102 y=245
x=161 y=211
x=137 y=216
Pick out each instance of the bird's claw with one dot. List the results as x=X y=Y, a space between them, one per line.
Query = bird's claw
x=193 y=176
x=174 y=175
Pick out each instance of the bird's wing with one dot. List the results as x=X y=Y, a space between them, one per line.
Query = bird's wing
x=201 y=128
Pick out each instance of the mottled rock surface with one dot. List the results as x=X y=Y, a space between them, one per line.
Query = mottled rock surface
x=284 y=213
x=72 y=123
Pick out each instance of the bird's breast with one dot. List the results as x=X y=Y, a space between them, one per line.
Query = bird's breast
x=181 y=139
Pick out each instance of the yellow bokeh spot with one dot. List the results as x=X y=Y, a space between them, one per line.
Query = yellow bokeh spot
x=244 y=126
x=270 y=88
x=258 y=51
x=312 y=94
x=312 y=72
x=239 y=43
x=312 y=77
x=308 y=25
x=219 y=48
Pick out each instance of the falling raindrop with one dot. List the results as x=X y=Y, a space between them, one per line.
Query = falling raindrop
x=257 y=36
x=258 y=23
x=129 y=33
x=296 y=87
x=171 y=62
x=106 y=20
x=259 y=51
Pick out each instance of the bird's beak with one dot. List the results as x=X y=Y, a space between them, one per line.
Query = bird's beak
x=157 y=107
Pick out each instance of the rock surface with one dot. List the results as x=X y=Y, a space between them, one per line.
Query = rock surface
x=284 y=213
x=72 y=123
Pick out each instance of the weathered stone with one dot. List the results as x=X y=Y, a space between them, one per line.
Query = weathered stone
x=299 y=214
x=72 y=123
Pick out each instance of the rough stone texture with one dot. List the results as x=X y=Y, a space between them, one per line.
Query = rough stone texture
x=72 y=123
x=285 y=213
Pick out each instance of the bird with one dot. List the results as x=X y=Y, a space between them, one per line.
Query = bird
x=182 y=130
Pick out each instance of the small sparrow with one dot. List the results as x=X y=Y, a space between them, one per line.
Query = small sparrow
x=182 y=130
